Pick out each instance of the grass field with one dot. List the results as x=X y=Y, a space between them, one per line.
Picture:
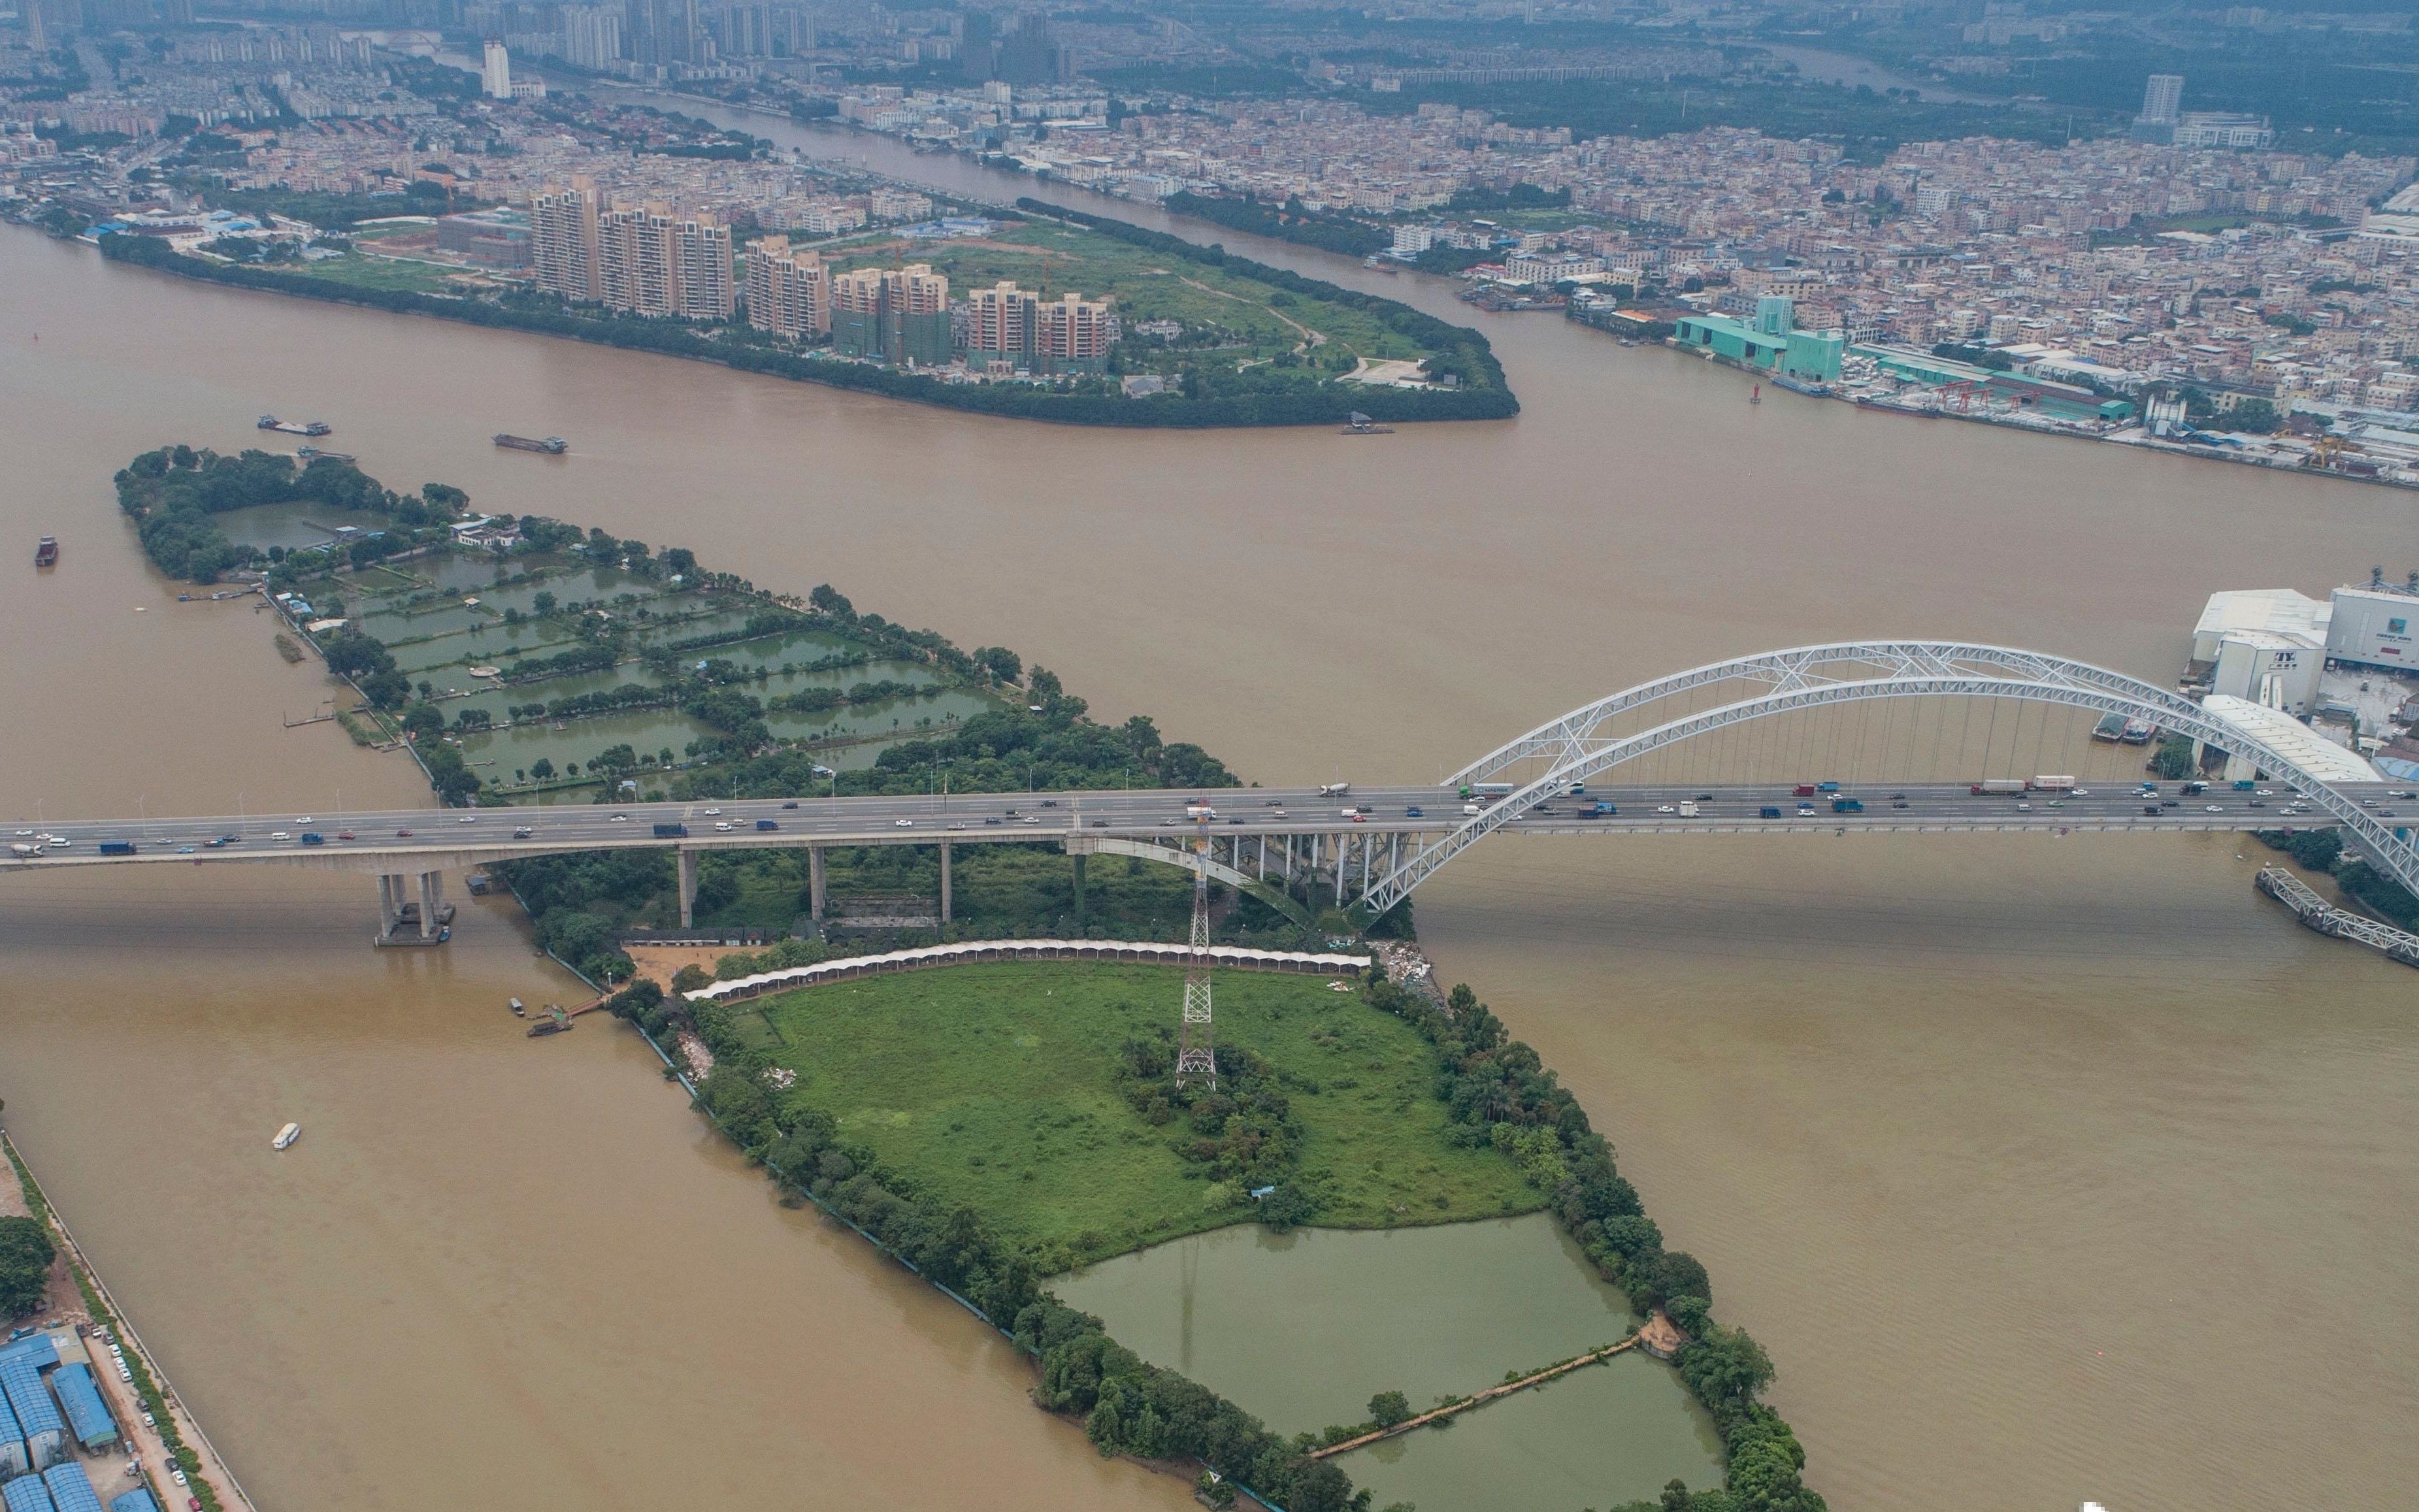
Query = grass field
x=999 y=1086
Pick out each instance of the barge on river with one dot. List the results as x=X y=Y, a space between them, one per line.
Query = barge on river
x=295 y=427
x=552 y=445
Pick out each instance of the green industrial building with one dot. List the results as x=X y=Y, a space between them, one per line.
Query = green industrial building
x=1772 y=344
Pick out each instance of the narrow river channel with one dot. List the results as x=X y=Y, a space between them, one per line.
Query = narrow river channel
x=2019 y=1154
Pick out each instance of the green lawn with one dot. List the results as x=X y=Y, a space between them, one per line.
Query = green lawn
x=361 y=271
x=1264 y=322
x=999 y=1086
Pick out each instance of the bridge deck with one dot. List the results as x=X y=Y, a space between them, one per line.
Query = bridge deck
x=429 y=839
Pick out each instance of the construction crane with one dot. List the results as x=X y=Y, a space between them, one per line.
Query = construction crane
x=1196 y=1056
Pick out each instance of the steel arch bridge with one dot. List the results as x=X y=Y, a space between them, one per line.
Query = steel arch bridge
x=1575 y=747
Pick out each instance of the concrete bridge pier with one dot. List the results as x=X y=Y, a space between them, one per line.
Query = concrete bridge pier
x=945 y=883
x=1079 y=892
x=688 y=888
x=403 y=919
x=815 y=883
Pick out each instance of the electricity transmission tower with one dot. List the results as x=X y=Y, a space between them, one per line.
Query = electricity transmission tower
x=1196 y=1054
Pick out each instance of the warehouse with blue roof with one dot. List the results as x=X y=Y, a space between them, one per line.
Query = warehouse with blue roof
x=46 y=1435
x=71 y=1488
x=13 y=1459
x=88 y=1416
x=27 y=1493
x=137 y=1500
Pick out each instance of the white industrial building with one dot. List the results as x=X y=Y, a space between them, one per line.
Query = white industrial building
x=2267 y=645
x=2372 y=627
x=2262 y=646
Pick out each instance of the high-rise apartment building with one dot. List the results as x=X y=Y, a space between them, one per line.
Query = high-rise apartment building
x=857 y=312
x=1075 y=334
x=898 y=315
x=703 y=287
x=563 y=242
x=789 y=293
x=916 y=316
x=2162 y=100
x=591 y=37
x=636 y=256
x=1002 y=323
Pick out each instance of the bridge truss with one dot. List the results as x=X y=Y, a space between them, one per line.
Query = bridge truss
x=1584 y=743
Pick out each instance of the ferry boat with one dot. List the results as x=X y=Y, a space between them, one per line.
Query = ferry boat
x=286 y=1137
x=46 y=551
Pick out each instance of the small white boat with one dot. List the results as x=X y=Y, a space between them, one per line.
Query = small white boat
x=286 y=1137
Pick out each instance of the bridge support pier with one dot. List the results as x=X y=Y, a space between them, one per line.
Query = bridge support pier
x=403 y=919
x=815 y=883
x=945 y=883
x=1079 y=894
x=688 y=888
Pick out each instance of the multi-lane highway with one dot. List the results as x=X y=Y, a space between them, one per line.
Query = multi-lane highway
x=398 y=841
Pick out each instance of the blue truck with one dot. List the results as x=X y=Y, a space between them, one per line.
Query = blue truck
x=671 y=831
x=1847 y=806
x=1768 y=811
x=767 y=823
x=117 y=847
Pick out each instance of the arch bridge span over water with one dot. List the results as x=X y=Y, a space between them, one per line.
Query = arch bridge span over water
x=1371 y=848
x=1577 y=747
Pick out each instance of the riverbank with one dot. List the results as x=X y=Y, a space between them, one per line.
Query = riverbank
x=2397 y=465
x=1468 y=381
x=170 y=1454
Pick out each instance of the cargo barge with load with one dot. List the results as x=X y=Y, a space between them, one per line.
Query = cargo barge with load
x=295 y=427
x=552 y=445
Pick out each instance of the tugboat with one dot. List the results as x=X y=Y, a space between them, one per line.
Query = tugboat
x=46 y=551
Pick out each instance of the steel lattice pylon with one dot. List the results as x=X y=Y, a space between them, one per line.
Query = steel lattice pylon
x=1196 y=1057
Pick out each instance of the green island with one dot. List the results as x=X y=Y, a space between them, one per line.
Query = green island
x=991 y=1126
x=1258 y=345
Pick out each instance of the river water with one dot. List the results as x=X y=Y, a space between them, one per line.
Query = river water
x=2046 y=1169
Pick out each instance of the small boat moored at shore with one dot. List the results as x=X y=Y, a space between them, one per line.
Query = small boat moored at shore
x=286 y=1137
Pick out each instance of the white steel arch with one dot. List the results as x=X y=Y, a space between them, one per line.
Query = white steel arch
x=1808 y=678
